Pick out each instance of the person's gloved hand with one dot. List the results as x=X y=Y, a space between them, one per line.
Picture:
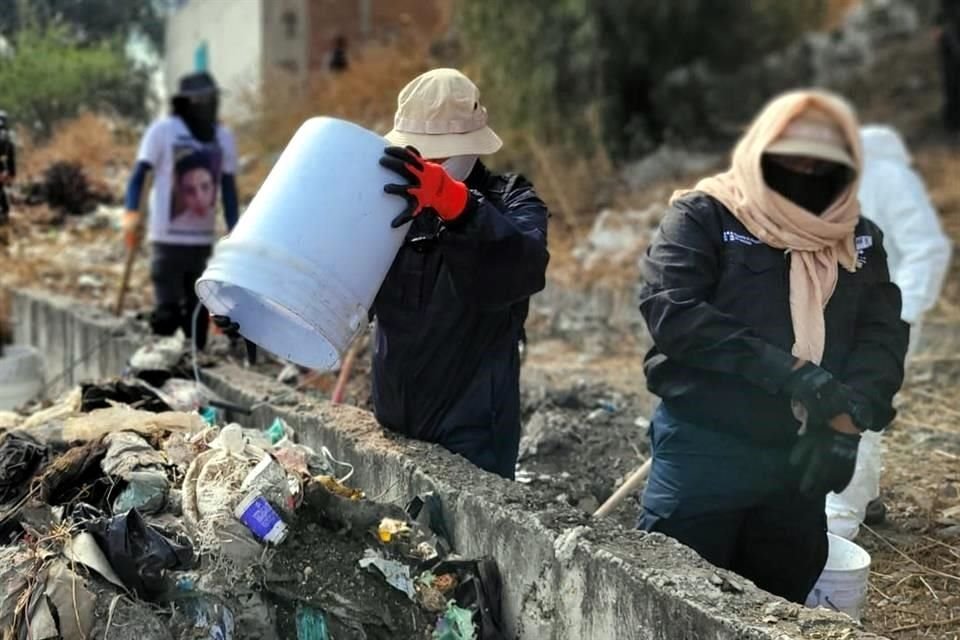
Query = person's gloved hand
x=826 y=459
x=227 y=326
x=819 y=393
x=430 y=186
x=131 y=229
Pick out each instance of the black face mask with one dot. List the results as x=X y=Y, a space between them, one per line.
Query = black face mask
x=813 y=192
x=200 y=116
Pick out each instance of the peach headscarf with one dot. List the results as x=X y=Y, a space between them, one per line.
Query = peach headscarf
x=817 y=243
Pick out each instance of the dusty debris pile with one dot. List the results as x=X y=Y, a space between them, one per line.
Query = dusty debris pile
x=128 y=511
x=580 y=442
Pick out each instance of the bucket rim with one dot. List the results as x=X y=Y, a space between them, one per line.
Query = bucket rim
x=853 y=550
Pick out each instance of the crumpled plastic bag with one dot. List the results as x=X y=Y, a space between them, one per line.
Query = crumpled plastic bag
x=20 y=456
x=97 y=424
x=455 y=624
x=394 y=572
x=128 y=452
x=64 y=608
x=160 y=355
x=479 y=590
x=140 y=554
x=146 y=492
x=133 y=394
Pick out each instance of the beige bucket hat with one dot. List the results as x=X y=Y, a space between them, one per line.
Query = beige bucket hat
x=814 y=134
x=439 y=113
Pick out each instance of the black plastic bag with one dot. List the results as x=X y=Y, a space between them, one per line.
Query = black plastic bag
x=139 y=553
x=480 y=590
x=100 y=396
x=20 y=457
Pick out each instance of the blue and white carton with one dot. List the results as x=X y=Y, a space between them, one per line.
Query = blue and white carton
x=261 y=518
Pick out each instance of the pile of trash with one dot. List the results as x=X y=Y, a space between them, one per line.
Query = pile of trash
x=128 y=509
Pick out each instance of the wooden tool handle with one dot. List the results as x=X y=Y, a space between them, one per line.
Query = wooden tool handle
x=125 y=281
x=340 y=390
x=633 y=483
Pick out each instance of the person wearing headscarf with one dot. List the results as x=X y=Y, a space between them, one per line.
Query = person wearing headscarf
x=191 y=156
x=777 y=341
x=450 y=314
x=918 y=252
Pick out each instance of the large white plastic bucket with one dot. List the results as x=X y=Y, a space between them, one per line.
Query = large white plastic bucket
x=303 y=265
x=843 y=584
x=21 y=376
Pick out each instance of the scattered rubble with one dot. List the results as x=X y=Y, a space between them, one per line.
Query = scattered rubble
x=580 y=443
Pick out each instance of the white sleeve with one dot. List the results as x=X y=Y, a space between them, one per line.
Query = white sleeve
x=153 y=144
x=914 y=228
x=229 y=148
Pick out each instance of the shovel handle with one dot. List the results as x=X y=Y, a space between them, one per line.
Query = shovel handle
x=633 y=483
x=340 y=390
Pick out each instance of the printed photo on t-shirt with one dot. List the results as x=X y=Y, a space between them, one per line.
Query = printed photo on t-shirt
x=193 y=202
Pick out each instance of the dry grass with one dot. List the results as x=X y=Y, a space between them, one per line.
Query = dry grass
x=366 y=94
x=90 y=139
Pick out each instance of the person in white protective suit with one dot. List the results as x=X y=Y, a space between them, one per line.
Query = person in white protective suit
x=918 y=254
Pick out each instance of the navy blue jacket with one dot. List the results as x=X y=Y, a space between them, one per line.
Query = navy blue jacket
x=716 y=302
x=449 y=317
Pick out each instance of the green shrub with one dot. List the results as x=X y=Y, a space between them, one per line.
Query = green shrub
x=545 y=65
x=50 y=78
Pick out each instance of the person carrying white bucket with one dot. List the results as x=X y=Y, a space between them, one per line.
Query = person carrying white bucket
x=893 y=196
x=451 y=310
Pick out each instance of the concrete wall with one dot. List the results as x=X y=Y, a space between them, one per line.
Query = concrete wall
x=564 y=576
x=78 y=343
x=233 y=33
x=286 y=37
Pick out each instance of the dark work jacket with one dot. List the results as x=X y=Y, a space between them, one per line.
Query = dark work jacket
x=449 y=316
x=716 y=301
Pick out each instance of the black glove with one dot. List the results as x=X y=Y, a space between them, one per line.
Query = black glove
x=251 y=351
x=863 y=415
x=819 y=393
x=229 y=328
x=826 y=460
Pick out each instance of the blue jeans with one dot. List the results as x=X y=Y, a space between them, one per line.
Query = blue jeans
x=736 y=504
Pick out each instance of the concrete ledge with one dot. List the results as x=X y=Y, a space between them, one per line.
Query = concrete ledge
x=564 y=576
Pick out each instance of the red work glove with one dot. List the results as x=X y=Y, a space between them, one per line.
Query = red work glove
x=430 y=186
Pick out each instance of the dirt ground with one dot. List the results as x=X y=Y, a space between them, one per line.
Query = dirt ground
x=319 y=567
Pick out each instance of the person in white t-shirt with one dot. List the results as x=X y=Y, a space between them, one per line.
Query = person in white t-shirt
x=192 y=157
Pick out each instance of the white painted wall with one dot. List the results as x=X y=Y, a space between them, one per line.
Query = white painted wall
x=233 y=32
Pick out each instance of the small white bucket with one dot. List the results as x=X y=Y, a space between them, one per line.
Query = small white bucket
x=843 y=584
x=21 y=376
x=303 y=265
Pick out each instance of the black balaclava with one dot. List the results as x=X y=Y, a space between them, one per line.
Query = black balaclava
x=815 y=192
x=199 y=113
